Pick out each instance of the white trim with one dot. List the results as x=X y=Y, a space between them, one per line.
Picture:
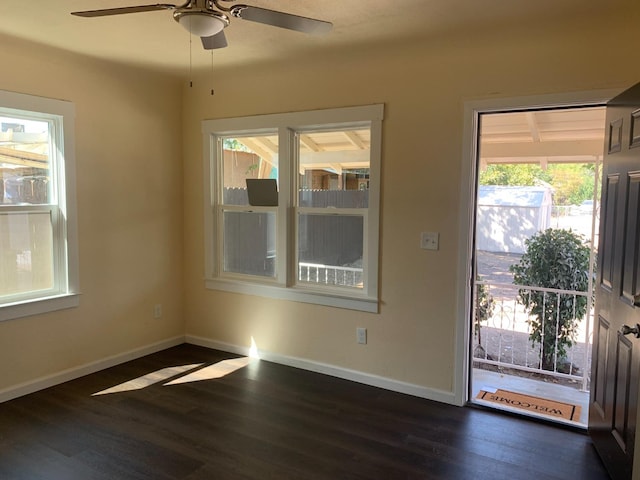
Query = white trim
x=372 y=241
x=472 y=110
x=208 y=146
x=61 y=116
x=294 y=294
x=36 y=306
x=284 y=286
x=25 y=102
x=535 y=416
x=86 y=369
x=68 y=201
x=325 y=118
x=332 y=370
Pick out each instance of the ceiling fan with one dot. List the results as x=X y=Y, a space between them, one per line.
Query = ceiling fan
x=208 y=18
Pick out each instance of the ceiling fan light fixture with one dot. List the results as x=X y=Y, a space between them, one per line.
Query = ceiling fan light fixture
x=202 y=23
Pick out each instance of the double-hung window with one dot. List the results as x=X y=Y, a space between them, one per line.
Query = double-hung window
x=38 y=266
x=292 y=205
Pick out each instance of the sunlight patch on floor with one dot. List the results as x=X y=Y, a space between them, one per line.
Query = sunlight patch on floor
x=196 y=372
x=149 y=379
x=217 y=370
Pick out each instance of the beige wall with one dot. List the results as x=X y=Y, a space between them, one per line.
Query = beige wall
x=424 y=86
x=141 y=210
x=129 y=192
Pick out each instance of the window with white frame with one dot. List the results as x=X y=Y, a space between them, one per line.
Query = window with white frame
x=38 y=266
x=292 y=205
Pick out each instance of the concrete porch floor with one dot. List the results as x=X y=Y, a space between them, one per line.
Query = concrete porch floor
x=484 y=379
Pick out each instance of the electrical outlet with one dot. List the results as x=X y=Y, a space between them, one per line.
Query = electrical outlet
x=429 y=240
x=361 y=335
x=157 y=310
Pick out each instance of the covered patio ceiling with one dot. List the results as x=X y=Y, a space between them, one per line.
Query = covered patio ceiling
x=573 y=135
x=335 y=150
x=21 y=149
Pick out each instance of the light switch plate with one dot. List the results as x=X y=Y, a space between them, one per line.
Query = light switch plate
x=429 y=240
x=361 y=335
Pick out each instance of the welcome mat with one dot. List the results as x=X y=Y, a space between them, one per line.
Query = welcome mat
x=566 y=411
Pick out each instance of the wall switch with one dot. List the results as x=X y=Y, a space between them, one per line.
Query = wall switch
x=361 y=335
x=429 y=240
x=157 y=310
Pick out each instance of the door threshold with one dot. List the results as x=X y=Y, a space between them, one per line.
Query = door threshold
x=537 y=397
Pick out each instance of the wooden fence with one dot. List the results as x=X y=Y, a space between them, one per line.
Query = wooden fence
x=335 y=240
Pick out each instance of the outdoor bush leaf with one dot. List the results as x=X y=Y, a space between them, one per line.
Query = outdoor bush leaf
x=557 y=259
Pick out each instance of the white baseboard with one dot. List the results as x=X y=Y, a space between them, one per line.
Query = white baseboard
x=332 y=370
x=76 y=372
x=304 y=364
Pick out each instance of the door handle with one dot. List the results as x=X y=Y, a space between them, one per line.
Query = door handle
x=626 y=330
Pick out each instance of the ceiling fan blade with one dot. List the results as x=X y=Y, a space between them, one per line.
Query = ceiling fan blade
x=214 y=41
x=281 y=19
x=122 y=10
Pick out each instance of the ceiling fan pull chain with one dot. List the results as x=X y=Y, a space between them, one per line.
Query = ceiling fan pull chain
x=190 y=57
x=212 y=91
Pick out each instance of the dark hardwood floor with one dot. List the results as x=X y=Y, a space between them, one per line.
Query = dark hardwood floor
x=268 y=421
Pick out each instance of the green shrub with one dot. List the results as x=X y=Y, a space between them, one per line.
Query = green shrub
x=484 y=305
x=483 y=310
x=557 y=259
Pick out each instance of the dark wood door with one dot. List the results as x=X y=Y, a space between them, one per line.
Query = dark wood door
x=615 y=368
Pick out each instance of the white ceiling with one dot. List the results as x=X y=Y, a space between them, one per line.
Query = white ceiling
x=154 y=40
x=573 y=135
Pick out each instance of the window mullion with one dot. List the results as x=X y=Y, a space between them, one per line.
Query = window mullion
x=361 y=212
x=216 y=185
x=286 y=182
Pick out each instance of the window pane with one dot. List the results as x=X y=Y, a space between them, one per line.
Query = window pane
x=247 y=157
x=334 y=168
x=24 y=161
x=250 y=243
x=330 y=249
x=26 y=249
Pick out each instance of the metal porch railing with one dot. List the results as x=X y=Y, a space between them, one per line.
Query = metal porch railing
x=503 y=339
x=330 y=274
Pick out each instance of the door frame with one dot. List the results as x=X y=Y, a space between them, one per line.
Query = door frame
x=468 y=179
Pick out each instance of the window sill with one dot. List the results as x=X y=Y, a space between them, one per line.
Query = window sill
x=38 y=306
x=329 y=299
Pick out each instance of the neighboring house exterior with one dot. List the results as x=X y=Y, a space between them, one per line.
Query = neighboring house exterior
x=509 y=215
